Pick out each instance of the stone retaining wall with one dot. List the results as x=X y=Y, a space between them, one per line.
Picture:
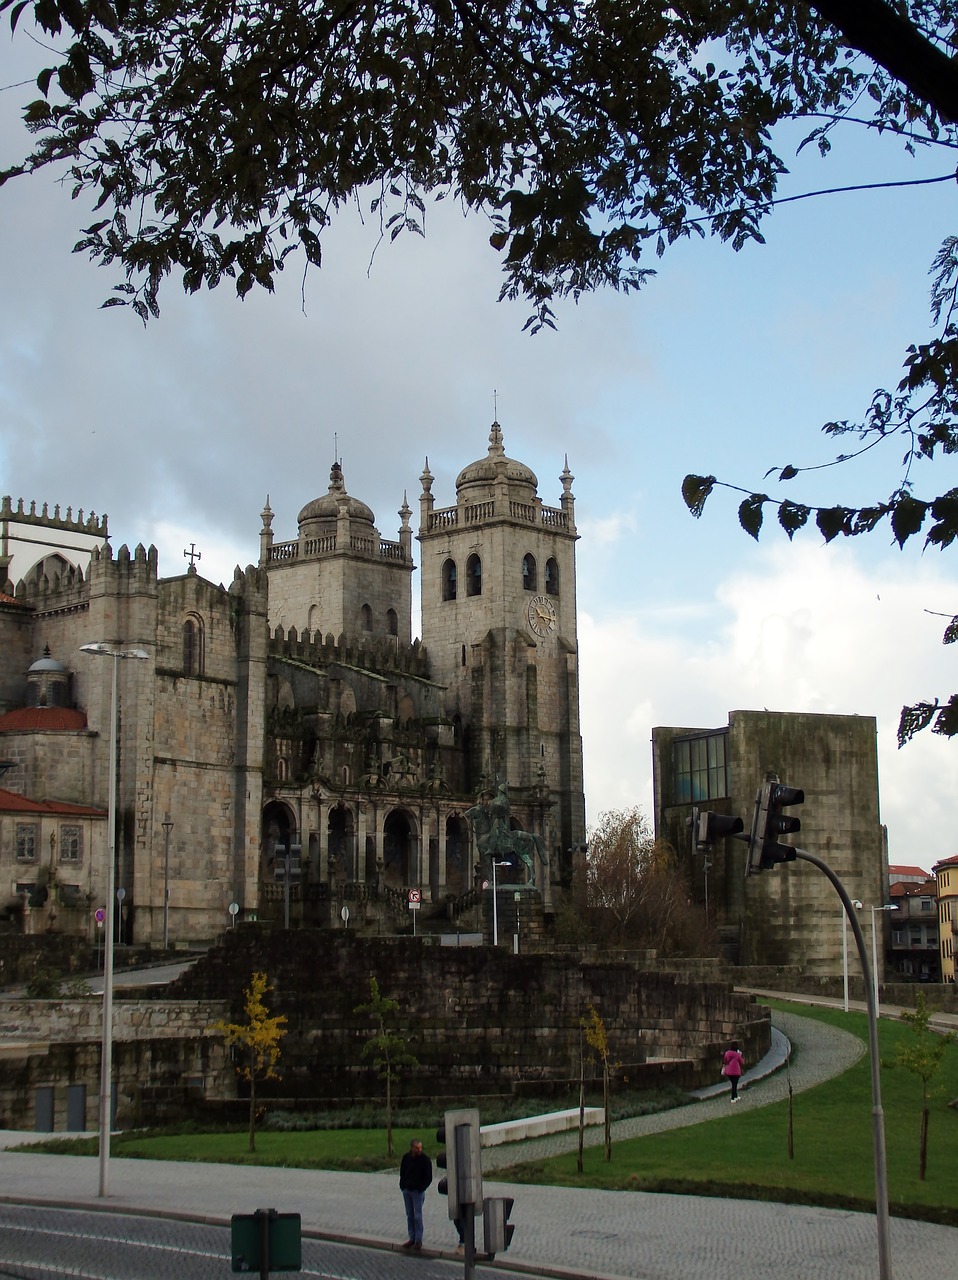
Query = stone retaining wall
x=478 y=1021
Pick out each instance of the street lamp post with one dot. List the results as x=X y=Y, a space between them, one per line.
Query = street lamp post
x=167 y=828
x=891 y=906
x=106 y=1054
x=858 y=906
x=517 y=898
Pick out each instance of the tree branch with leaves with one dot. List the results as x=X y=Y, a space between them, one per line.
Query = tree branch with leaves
x=258 y=1041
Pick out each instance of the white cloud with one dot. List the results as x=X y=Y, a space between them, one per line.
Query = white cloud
x=813 y=630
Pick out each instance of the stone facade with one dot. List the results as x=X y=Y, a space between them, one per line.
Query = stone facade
x=291 y=714
x=790 y=915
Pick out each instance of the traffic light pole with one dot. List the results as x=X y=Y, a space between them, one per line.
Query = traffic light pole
x=878 y=1116
x=469 y=1239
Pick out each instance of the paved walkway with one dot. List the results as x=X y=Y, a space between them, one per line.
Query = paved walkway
x=561 y=1232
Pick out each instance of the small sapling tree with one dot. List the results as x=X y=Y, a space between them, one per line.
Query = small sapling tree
x=921 y=1055
x=258 y=1041
x=598 y=1041
x=387 y=1048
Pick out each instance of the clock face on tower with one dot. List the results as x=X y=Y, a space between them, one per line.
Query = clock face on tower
x=542 y=615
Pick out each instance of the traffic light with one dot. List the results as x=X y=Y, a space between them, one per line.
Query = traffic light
x=290 y=857
x=707 y=827
x=462 y=1160
x=497 y=1231
x=764 y=849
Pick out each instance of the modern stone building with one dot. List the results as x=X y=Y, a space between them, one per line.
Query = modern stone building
x=790 y=915
x=290 y=719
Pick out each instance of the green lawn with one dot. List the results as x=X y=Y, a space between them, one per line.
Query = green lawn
x=743 y=1154
x=357 y=1150
x=746 y=1152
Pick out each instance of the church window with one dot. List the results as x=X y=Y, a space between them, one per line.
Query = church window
x=449 y=580
x=529 y=578
x=366 y=618
x=474 y=576
x=71 y=844
x=392 y=622
x=27 y=836
x=193 y=648
x=552 y=577
x=700 y=768
x=463 y=661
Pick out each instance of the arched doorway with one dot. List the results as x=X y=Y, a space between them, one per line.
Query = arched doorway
x=341 y=844
x=458 y=869
x=400 y=847
x=277 y=831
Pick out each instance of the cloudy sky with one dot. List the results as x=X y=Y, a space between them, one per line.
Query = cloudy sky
x=726 y=363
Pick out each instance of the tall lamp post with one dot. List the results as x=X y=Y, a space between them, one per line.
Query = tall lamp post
x=858 y=906
x=890 y=906
x=106 y=1054
x=167 y=828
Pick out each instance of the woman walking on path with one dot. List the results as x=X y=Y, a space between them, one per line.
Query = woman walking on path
x=732 y=1067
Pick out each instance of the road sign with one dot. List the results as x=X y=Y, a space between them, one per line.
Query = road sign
x=266 y=1241
x=415 y=899
x=99 y=915
x=345 y=914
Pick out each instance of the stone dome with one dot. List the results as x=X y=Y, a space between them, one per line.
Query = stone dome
x=47 y=665
x=327 y=508
x=484 y=471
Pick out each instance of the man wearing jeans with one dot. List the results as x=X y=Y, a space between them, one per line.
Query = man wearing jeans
x=415 y=1175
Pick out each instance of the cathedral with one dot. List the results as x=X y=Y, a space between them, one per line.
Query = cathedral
x=285 y=749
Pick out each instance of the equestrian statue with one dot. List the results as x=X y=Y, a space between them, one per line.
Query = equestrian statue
x=496 y=840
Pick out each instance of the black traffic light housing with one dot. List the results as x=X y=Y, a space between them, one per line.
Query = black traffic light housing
x=497 y=1230
x=769 y=822
x=708 y=826
x=461 y=1159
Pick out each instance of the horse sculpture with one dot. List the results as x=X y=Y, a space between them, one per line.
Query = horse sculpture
x=496 y=840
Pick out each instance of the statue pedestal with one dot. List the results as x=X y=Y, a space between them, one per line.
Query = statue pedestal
x=518 y=918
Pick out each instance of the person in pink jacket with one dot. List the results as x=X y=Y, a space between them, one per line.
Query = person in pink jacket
x=733 y=1064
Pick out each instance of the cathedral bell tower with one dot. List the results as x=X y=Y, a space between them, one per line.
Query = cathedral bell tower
x=499 y=625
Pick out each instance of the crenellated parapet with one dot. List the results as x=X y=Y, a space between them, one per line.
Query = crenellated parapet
x=379 y=655
x=126 y=570
x=27 y=513
x=53 y=594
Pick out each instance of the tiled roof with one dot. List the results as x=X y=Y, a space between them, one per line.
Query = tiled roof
x=10 y=802
x=946 y=862
x=55 y=719
x=905 y=889
x=897 y=871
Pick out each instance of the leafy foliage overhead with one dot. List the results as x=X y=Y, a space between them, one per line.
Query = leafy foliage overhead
x=218 y=136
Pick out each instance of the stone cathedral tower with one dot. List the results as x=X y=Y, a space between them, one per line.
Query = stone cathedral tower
x=499 y=625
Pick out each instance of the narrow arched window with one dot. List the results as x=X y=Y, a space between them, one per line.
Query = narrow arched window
x=474 y=576
x=366 y=618
x=449 y=580
x=392 y=622
x=529 y=579
x=552 y=577
x=193 y=655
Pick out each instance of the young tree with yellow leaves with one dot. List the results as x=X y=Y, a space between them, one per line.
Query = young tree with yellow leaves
x=258 y=1040
x=598 y=1041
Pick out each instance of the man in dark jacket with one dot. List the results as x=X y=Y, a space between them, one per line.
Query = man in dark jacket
x=415 y=1175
